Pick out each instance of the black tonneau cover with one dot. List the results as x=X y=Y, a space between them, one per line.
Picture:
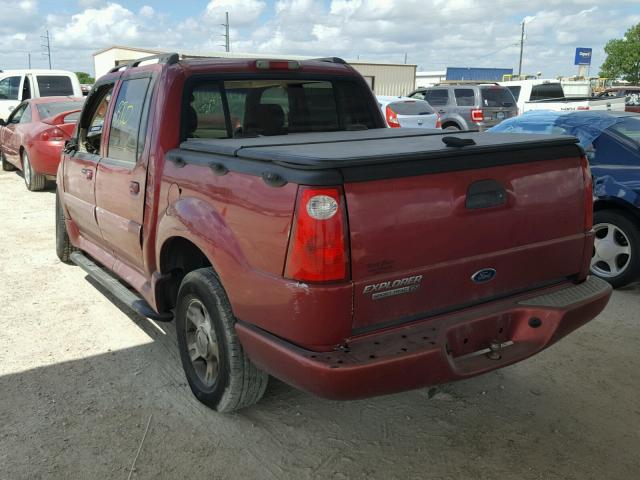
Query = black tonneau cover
x=377 y=146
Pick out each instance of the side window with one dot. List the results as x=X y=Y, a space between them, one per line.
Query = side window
x=92 y=120
x=10 y=88
x=26 y=116
x=465 y=97
x=204 y=117
x=437 y=98
x=16 y=115
x=54 y=85
x=129 y=118
x=419 y=95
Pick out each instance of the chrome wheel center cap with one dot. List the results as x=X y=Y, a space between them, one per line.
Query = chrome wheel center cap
x=606 y=250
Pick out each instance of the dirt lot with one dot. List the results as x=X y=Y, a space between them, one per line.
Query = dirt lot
x=79 y=380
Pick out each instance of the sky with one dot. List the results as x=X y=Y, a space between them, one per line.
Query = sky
x=434 y=34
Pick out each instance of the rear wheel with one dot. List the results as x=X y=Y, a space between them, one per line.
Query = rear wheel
x=6 y=166
x=218 y=371
x=33 y=180
x=616 y=250
x=450 y=127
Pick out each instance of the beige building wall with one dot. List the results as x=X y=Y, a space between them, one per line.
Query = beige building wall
x=388 y=79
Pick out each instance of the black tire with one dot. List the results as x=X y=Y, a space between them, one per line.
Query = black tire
x=627 y=234
x=64 y=249
x=238 y=383
x=34 y=181
x=6 y=166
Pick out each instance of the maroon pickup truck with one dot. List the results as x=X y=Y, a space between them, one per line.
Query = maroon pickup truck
x=264 y=206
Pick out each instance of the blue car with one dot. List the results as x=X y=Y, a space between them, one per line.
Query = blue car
x=612 y=143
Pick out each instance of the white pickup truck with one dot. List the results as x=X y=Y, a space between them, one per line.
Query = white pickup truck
x=542 y=94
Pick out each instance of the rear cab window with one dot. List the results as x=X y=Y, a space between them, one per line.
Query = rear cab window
x=256 y=107
x=546 y=91
x=54 y=85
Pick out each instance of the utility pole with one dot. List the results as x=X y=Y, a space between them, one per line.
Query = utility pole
x=47 y=47
x=405 y=58
x=29 y=54
x=227 y=47
x=521 y=48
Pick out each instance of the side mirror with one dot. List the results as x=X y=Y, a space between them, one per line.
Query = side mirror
x=2 y=122
x=71 y=146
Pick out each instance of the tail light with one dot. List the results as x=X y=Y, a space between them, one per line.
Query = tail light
x=588 y=193
x=477 y=115
x=438 y=121
x=317 y=247
x=392 y=118
x=52 y=135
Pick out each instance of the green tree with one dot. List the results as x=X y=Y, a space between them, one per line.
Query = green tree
x=623 y=57
x=84 y=77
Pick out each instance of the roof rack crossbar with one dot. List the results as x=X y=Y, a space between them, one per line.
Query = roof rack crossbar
x=163 y=58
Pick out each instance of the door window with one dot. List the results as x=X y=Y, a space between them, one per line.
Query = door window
x=54 y=85
x=92 y=120
x=437 y=98
x=10 y=88
x=129 y=121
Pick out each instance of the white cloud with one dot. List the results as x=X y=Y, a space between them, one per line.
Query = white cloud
x=147 y=11
x=241 y=12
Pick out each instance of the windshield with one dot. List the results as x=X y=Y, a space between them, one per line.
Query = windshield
x=411 y=107
x=250 y=108
x=629 y=127
x=497 y=97
x=46 y=110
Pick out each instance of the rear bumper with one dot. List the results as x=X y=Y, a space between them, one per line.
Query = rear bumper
x=432 y=351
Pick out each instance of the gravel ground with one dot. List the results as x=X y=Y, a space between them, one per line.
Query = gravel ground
x=80 y=380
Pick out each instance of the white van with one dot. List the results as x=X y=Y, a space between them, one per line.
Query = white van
x=19 y=85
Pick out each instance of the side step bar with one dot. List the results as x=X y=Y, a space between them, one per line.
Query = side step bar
x=117 y=289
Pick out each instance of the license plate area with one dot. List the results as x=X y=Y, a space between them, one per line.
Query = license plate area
x=479 y=334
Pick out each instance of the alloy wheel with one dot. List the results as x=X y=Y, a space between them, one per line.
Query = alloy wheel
x=26 y=169
x=202 y=343
x=611 y=251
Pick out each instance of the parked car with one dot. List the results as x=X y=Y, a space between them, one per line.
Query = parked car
x=408 y=112
x=266 y=206
x=468 y=107
x=19 y=85
x=630 y=94
x=34 y=135
x=545 y=94
x=612 y=142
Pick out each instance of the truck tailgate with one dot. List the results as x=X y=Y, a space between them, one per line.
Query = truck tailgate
x=432 y=243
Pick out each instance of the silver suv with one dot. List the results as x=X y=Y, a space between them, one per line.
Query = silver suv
x=468 y=106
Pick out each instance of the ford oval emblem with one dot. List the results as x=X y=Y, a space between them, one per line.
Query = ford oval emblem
x=483 y=276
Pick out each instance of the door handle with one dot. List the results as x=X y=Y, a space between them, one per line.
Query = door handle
x=134 y=188
x=88 y=173
x=485 y=194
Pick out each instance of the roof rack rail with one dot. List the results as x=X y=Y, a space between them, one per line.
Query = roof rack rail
x=330 y=60
x=163 y=58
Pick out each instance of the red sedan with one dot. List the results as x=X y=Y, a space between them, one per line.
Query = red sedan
x=34 y=135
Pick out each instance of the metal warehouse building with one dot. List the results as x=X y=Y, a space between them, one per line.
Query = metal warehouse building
x=470 y=74
x=383 y=78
